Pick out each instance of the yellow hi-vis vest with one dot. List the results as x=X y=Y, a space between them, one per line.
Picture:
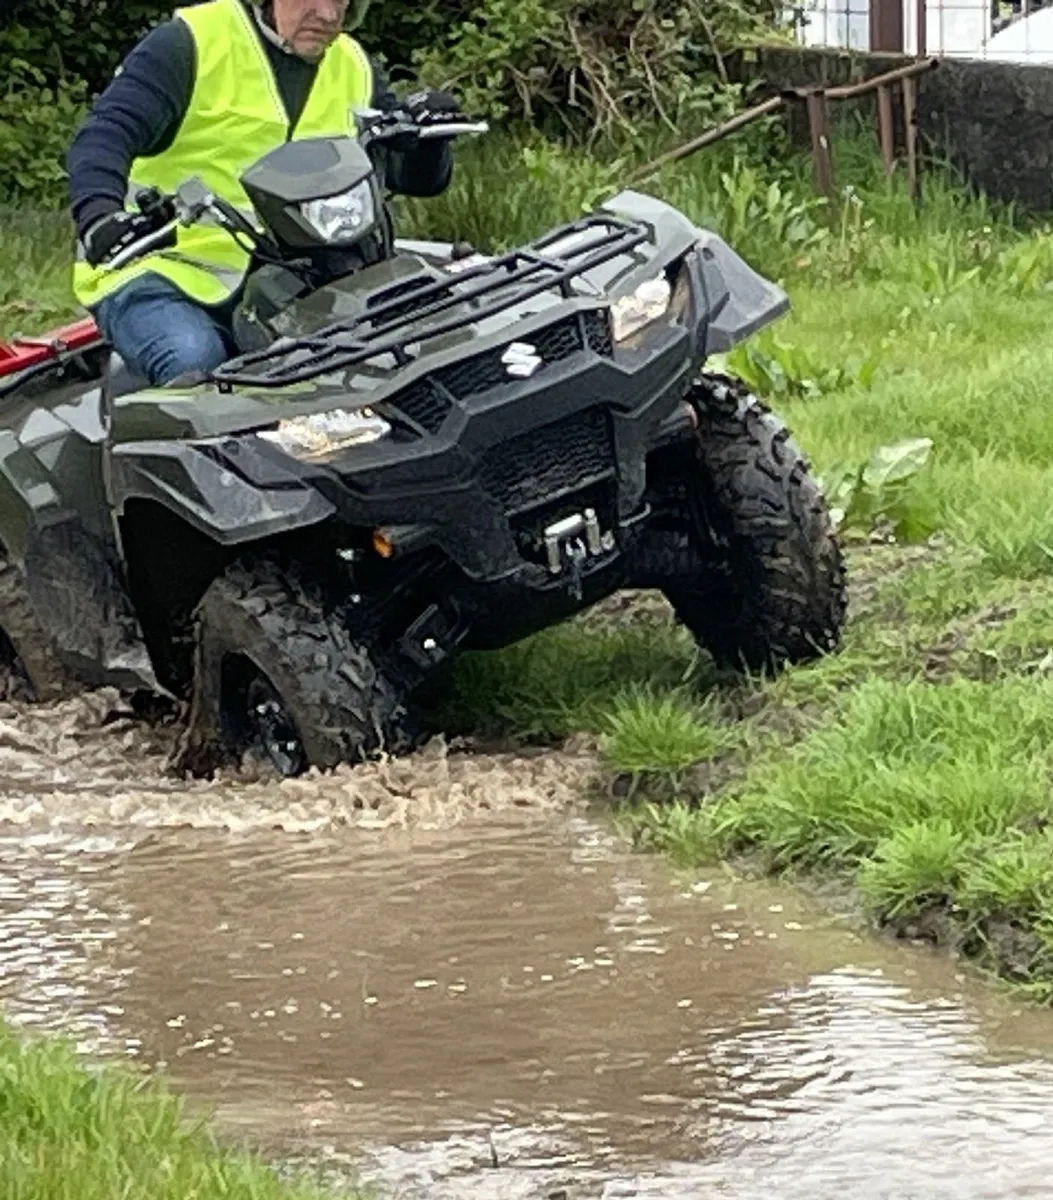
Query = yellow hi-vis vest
x=235 y=116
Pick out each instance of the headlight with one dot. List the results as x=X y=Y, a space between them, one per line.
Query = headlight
x=307 y=438
x=649 y=302
x=342 y=218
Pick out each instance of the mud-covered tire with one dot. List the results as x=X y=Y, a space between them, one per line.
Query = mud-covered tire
x=766 y=585
x=343 y=707
x=32 y=668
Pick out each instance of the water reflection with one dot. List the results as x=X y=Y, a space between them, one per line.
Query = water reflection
x=429 y=1004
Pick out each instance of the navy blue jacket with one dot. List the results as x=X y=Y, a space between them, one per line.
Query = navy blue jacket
x=140 y=112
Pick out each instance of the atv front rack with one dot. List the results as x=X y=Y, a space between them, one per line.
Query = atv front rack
x=395 y=323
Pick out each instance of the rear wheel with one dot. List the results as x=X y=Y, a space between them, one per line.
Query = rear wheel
x=278 y=676
x=756 y=573
x=30 y=667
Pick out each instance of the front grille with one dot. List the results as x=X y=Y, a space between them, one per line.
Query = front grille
x=542 y=463
x=423 y=403
x=598 y=332
x=559 y=341
x=428 y=405
x=484 y=371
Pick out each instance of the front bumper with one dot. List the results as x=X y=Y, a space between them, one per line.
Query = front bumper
x=507 y=464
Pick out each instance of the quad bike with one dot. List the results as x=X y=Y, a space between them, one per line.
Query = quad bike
x=418 y=449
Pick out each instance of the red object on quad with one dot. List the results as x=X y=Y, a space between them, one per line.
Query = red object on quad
x=22 y=352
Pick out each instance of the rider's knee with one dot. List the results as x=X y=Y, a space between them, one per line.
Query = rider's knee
x=188 y=350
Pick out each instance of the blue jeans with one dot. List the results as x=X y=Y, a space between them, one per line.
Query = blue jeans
x=160 y=332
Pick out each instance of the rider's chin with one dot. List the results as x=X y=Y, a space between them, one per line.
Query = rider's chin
x=314 y=39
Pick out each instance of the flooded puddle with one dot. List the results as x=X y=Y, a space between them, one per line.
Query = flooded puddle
x=419 y=1005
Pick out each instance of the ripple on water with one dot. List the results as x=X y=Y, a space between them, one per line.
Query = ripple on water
x=425 y=994
x=424 y=1003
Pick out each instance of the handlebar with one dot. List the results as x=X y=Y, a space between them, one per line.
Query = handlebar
x=377 y=125
x=192 y=200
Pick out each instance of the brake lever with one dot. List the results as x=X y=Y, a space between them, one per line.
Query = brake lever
x=452 y=128
x=190 y=202
x=376 y=125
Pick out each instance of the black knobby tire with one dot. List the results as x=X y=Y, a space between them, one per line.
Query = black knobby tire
x=340 y=703
x=31 y=663
x=767 y=584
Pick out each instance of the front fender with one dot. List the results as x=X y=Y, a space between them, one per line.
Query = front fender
x=735 y=302
x=196 y=484
x=739 y=300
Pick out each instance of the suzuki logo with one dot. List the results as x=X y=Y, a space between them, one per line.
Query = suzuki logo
x=521 y=360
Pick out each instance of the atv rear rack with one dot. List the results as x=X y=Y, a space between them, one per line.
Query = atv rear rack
x=349 y=343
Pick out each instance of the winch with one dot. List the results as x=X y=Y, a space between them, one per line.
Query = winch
x=572 y=540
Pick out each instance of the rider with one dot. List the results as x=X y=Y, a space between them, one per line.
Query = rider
x=208 y=93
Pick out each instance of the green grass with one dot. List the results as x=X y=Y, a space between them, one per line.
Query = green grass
x=35 y=282
x=69 y=1132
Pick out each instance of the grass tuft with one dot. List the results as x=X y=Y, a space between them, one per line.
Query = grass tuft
x=95 y=1134
x=648 y=732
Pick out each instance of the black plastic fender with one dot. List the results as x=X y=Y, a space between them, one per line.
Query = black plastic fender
x=197 y=482
x=739 y=300
x=76 y=586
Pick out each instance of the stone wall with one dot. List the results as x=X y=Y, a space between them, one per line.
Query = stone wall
x=993 y=121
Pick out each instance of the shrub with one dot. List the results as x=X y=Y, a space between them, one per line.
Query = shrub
x=37 y=120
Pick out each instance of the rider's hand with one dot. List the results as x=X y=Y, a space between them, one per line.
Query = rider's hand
x=108 y=237
x=439 y=105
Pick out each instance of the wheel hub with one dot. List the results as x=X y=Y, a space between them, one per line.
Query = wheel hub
x=272 y=730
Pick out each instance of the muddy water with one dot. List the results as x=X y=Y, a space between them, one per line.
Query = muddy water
x=89 y=762
x=428 y=994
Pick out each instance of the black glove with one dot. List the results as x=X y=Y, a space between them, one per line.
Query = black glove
x=108 y=237
x=436 y=105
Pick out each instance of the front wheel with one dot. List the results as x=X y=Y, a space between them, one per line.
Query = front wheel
x=758 y=575
x=278 y=676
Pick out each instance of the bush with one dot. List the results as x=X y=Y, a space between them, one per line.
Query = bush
x=579 y=68
x=594 y=68
x=37 y=120
x=82 y=39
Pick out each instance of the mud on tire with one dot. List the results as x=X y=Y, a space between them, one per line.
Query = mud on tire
x=30 y=667
x=259 y=616
x=762 y=578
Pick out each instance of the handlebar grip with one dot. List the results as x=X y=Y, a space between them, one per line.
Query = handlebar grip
x=452 y=128
x=159 y=237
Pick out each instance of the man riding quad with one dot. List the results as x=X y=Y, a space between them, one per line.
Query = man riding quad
x=383 y=452
x=207 y=94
